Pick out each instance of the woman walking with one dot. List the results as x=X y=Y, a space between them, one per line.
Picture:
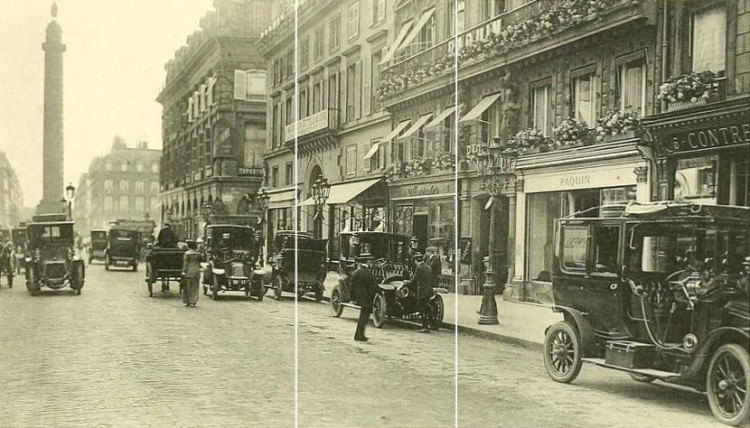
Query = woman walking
x=191 y=271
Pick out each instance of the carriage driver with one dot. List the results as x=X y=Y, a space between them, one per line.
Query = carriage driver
x=167 y=237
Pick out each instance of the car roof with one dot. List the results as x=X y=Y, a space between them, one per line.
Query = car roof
x=51 y=223
x=210 y=226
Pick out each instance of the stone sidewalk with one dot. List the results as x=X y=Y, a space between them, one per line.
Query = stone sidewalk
x=521 y=324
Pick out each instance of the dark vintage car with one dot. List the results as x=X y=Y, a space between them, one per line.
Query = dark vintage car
x=163 y=265
x=392 y=267
x=308 y=267
x=231 y=253
x=52 y=262
x=658 y=291
x=123 y=249
x=99 y=243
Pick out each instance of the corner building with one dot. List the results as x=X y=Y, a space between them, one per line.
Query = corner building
x=213 y=119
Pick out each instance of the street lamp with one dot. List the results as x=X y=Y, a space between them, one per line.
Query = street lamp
x=70 y=192
x=494 y=164
x=320 y=189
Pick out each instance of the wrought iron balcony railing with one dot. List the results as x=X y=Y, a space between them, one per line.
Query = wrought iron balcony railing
x=324 y=120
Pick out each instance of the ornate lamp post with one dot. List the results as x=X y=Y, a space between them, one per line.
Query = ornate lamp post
x=70 y=192
x=494 y=165
x=320 y=189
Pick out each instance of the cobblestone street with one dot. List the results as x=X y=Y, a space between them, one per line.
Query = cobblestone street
x=115 y=357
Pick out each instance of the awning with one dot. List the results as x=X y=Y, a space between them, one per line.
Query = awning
x=281 y=199
x=438 y=120
x=396 y=43
x=478 y=109
x=417 y=28
x=417 y=125
x=343 y=193
x=372 y=151
x=397 y=130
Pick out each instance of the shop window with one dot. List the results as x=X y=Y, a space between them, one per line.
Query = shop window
x=540 y=107
x=403 y=219
x=334 y=34
x=708 y=39
x=441 y=221
x=543 y=209
x=739 y=186
x=632 y=85
x=351 y=160
x=584 y=98
x=352 y=26
x=695 y=179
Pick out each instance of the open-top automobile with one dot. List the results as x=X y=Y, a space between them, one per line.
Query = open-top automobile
x=659 y=291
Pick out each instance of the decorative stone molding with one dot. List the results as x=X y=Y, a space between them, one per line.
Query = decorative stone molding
x=641 y=174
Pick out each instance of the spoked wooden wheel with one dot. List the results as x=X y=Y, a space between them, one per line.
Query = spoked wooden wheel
x=726 y=384
x=336 y=308
x=562 y=352
x=379 y=310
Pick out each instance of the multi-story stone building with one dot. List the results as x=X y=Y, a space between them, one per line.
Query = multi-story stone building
x=213 y=121
x=338 y=122
x=11 y=195
x=121 y=185
x=531 y=74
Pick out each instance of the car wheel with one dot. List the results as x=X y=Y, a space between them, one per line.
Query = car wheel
x=319 y=293
x=562 y=352
x=215 y=288
x=278 y=284
x=641 y=377
x=379 y=310
x=336 y=308
x=438 y=312
x=726 y=384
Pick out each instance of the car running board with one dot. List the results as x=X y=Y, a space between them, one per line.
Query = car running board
x=350 y=305
x=658 y=374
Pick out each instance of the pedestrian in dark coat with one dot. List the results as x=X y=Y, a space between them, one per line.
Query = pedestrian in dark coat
x=364 y=287
x=422 y=282
x=436 y=267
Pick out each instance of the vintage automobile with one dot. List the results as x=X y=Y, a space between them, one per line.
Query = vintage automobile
x=163 y=265
x=52 y=261
x=392 y=267
x=123 y=249
x=657 y=291
x=99 y=243
x=310 y=268
x=231 y=253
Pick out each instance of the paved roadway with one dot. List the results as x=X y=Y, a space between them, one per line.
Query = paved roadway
x=115 y=357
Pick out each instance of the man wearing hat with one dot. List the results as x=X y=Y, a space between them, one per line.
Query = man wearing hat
x=364 y=287
x=422 y=281
x=166 y=237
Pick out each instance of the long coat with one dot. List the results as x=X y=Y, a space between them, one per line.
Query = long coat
x=422 y=281
x=364 y=286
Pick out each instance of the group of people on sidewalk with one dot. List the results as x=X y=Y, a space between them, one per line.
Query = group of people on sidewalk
x=365 y=286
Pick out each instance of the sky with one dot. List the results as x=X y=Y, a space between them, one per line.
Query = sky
x=113 y=71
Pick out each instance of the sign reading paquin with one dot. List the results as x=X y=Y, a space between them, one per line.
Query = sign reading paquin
x=707 y=138
x=422 y=190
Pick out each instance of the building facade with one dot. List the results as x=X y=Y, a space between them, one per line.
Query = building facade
x=327 y=100
x=11 y=195
x=121 y=185
x=214 y=117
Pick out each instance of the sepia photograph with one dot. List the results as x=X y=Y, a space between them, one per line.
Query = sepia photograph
x=375 y=213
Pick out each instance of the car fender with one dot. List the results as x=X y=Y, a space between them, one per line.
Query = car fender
x=713 y=340
x=577 y=318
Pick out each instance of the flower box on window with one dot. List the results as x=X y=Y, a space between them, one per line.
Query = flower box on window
x=690 y=89
x=617 y=125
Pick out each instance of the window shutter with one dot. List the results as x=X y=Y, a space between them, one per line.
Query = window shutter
x=367 y=78
x=358 y=89
x=240 y=85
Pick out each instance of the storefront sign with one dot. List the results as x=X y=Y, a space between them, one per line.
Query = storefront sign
x=707 y=138
x=586 y=177
x=575 y=181
x=422 y=190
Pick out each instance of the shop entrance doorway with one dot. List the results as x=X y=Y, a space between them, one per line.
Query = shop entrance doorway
x=419 y=226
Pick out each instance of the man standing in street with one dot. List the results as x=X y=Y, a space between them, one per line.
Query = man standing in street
x=435 y=265
x=364 y=286
x=422 y=281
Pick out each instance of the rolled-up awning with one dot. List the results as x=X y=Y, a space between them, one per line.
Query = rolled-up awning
x=343 y=193
x=372 y=151
x=417 y=125
x=438 y=120
x=283 y=198
x=397 y=130
x=481 y=106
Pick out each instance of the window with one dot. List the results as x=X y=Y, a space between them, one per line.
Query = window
x=318 y=43
x=155 y=167
x=275 y=177
x=124 y=204
x=632 y=87
x=333 y=90
x=492 y=8
x=256 y=84
x=377 y=160
x=317 y=96
x=708 y=39
x=107 y=204
x=377 y=105
x=277 y=71
x=139 y=186
x=288 y=111
x=108 y=186
x=489 y=124
x=108 y=166
x=304 y=52
x=139 y=167
x=574 y=240
x=695 y=178
x=154 y=187
x=456 y=14
x=139 y=203
x=351 y=160
x=540 y=107
x=276 y=125
x=584 y=98
x=603 y=252
x=124 y=167
x=124 y=185
x=353 y=91
x=289 y=61
x=447 y=134
x=427 y=34
x=302 y=103
x=289 y=174
x=378 y=11
x=352 y=23
x=334 y=34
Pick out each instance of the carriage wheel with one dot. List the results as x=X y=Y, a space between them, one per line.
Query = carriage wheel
x=379 y=310
x=727 y=382
x=278 y=282
x=562 y=352
x=336 y=308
